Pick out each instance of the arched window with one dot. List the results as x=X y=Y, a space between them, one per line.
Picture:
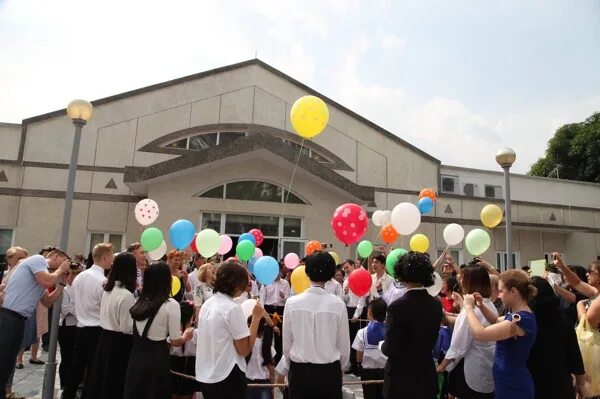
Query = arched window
x=252 y=190
x=206 y=140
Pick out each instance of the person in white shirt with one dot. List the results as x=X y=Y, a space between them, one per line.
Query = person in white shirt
x=66 y=329
x=86 y=290
x=114 y=346
x=355 y=307
x=272 y=298
x=315 y=335
x=201 y=281
x=381 y=280
x=224 y=339
x=156 y=317
x=281 y=373
x=334 y=287
x=183 y=359
x=470 y=361
x=368 y=355
x=141 y=262
x=261 y=366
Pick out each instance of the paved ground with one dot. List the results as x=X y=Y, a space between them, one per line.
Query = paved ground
x=30 y=379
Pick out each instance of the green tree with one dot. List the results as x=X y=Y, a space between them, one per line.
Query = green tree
x=573 y=153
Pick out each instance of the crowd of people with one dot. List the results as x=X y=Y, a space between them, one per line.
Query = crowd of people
x=176 y=328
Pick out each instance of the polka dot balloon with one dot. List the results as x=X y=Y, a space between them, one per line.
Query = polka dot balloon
x=146 y=212
x=349 y=223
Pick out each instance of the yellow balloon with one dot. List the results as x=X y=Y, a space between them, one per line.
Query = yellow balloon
x=335 y=257
x=309 y=116
x=419 y=243
x=491 y=215
x=300 y=281
x=175 y=285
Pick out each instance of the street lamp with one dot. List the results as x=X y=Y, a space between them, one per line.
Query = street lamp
x=80 y=112
x=505 y=158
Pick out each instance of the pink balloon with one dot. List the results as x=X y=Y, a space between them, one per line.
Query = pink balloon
x=226 y=245
x=258 y=252
x=291 y=260
x=349 y=223
x=258 y=236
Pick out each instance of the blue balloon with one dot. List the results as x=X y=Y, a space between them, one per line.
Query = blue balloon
x=181 y=233
x=247 y=237
x=425 y=205
x=251 y=264
x=266 y=270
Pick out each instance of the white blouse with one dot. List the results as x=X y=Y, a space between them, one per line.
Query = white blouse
x=114 y=310
x=67 y=308
x=167 y=322
x=256 y=370
x=373 y=358
x=188 y=349
x=478 y=355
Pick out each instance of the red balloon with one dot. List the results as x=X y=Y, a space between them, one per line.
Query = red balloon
x=349 y=223
x=258 y=235
x=360 y=281
x=193 y=244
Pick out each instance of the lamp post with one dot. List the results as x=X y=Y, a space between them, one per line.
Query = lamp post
x=80 y=112
x=505 y=158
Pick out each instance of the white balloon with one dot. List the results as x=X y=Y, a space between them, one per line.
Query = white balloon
x=437 y=285
x=386 y=217
x=406 y=218
x=454 y=234
x=158 y=252
x=247 y=307
x=376 y=218
x=146 y=212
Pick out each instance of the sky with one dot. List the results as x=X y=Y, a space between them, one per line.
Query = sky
x=458 y=79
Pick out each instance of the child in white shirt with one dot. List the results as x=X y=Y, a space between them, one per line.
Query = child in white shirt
x=260 y=369
x=183 y=358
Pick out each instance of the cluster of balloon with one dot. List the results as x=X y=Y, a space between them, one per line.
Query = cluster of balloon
x=392 y=259
x=365 y=249
x=208 y=242
x=360 y=281
x=426 y=199
x=146 y=212
x=181 y=233
x=381 y=218
x=491 y=215
x=247 y=248
x=389 y=234
x=309 y=116
x=406 y=218
x=349 y=223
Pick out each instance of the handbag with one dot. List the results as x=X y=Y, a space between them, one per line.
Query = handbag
x=589 y=344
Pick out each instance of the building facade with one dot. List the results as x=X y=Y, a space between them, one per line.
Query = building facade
x=217 y=148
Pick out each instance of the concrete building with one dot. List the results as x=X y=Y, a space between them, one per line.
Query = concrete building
x=217 y=148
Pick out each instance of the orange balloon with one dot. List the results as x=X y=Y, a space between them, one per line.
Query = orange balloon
x=389 y=234
x=427 y=192
x=313 y=246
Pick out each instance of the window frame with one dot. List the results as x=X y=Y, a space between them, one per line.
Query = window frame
x=283 y=192
x=107 y=235
x=218 y=142
x=503 y=266
x=457 y=185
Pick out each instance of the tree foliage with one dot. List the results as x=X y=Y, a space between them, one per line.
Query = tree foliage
x=573 y=153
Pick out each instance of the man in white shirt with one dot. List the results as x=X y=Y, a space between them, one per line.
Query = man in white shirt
x=355 y=306
x=381 y=280
x=140 y=260
x=272 y=298
x=86 y=292
x=335 y=288
x=67 y=329
x=315 y=335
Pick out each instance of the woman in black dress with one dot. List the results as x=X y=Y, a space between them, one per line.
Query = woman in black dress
x=412 y=323
x=155 y=317
x=112 y=355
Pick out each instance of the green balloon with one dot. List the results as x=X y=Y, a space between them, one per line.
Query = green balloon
x=207 y=242
x=151 y=238
x=365 y=249
x=392 y=259
x=244 y=250
x=477 y=242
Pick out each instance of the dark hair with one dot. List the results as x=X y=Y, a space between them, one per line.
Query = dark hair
x=89 y=262
x=380 y=258
x=526 y=268
x=350 y=261
x=545 y=298
x=124 y=270
x=518 y=280
x=132 y=247
x=452 y=283
x=266 y=334
x=580 y=272
x=378 y=309
x=187 y=312
x=320 y=266
x=155 y=291
x=341 y=271
x=231 y=276
x=475 y=278
x=414 y=267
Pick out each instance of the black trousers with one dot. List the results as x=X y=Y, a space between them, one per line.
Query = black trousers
x=232 y=387
x=12 y=326
x=372 y=391
x=46 y=336
x=66 y=342
x=315 y=381
x=86 y=341
x=277 y=339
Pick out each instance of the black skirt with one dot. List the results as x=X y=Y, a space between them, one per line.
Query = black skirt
x=107 y=377
x=184 y=365
x=148 y=375
x=457 y=384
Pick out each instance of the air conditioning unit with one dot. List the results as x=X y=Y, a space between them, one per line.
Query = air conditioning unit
x=470 y=189
x=450 y=184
